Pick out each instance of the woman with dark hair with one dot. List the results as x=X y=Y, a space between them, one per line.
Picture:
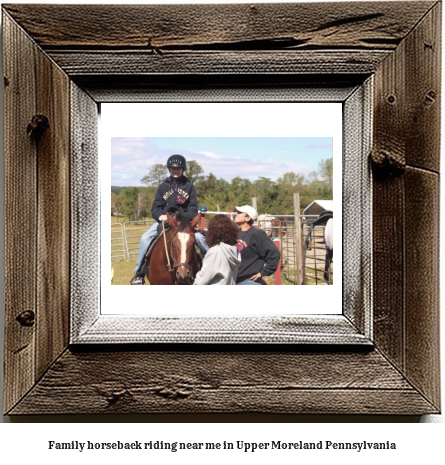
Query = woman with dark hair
x=221 y=262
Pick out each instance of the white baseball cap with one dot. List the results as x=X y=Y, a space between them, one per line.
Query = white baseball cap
x=248 y=210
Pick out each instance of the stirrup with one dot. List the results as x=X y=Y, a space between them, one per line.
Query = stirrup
x=137 y=279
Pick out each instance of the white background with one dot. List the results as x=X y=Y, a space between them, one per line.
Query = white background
x=220 y=120
x=27 y=443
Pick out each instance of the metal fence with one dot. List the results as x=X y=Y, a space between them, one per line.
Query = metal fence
x=314 y=254
x=126 y=237
x=283 y=229
x=299 y=264
x=133 y=231
x=118 y=251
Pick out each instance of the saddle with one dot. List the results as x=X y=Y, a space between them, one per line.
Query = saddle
x=199 y=255
x=146 y=261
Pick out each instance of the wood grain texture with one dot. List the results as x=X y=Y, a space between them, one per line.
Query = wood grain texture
x=398 y=42
x=389 y=142
x=53 y=199
x=227 y=39
x=388 y=275
x=38 y=231
x=159 y=27
x=422 y=255
x=222 y=382
x=423 y=92
x=20 y=212
x=406 y=206
x=130 y=63
x=408 y=84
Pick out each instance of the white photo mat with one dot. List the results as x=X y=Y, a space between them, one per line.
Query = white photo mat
x=211 y=119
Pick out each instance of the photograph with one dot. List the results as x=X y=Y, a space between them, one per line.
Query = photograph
x=242 y=226
x=249 y=203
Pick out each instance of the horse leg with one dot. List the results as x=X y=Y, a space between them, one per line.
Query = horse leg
x=327 y=265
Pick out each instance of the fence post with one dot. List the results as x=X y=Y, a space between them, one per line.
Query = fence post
x=254 y=203
x=203 y=221
x=276 y=241
x=298 y=239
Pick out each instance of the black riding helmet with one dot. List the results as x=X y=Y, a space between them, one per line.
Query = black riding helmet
x=176 y=160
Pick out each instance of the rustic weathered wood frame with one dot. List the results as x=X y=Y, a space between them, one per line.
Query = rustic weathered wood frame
x=91 y=323
x=76 y=56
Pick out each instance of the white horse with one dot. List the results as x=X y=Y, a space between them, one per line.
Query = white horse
x=329 y=241
x=271 y=226
x=325 y=219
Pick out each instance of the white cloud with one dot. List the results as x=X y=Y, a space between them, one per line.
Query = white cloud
x=131 y=159
x=210 y=154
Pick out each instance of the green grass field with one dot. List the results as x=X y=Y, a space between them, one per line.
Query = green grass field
x=123 y=272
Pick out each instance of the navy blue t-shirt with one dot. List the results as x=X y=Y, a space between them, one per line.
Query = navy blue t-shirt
x=258 y=254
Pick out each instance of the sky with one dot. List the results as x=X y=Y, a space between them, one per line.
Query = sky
x=225 y=157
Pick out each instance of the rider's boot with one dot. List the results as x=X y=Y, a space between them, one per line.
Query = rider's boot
x=137 y=279
x=139 y=276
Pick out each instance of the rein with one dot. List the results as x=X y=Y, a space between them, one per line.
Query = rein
x=166 y=251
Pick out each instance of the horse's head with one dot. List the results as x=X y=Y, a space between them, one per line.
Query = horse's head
x=182 y=244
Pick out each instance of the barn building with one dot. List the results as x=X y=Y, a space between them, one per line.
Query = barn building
x=316 y=207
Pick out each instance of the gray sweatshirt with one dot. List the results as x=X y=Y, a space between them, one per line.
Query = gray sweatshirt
x=220 y=265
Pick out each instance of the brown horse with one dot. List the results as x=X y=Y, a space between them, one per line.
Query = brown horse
x=174 y=260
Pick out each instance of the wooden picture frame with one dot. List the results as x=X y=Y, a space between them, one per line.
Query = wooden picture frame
x=57 y=70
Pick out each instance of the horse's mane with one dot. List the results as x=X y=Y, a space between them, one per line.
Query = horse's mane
x=184 y=221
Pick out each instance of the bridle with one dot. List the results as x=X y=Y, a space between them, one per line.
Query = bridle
x=175 y=265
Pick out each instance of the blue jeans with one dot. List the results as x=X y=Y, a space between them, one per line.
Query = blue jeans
x=249 y=281
x=153 y=232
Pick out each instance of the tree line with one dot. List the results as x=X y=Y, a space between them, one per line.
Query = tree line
x=217 y=194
